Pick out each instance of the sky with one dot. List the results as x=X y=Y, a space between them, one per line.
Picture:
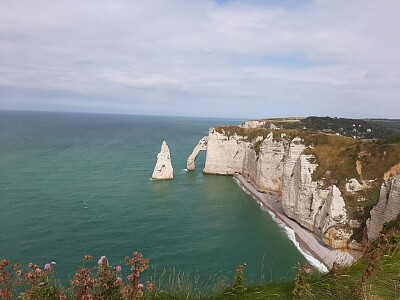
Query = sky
x=206 y=58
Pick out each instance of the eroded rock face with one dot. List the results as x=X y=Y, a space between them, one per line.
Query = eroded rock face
x=225 y=154
x=387 y=208
x=282 y=167
x=201 y=146
x=320 y=210
x=264 y=169
x=297 y=190
x=163 y=169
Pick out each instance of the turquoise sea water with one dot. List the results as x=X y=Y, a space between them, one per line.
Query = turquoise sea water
x=76 y=184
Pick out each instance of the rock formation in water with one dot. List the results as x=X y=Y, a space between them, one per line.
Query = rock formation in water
x=163 y=169
x=201 y=146
x=387 y=209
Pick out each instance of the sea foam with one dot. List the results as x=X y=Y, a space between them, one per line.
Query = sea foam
x=288 y=231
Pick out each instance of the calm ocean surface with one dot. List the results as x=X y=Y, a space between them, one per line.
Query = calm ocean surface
x=76 y=184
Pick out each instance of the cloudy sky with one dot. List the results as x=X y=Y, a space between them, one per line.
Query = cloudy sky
x=210 y=58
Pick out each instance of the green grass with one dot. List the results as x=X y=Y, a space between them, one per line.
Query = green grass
x=384 y=283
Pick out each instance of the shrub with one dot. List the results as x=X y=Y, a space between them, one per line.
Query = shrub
x=238 y=285
x=302 y=288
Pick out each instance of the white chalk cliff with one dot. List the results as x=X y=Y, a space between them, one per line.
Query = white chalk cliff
x=387 y=209
x=163 y=169
x=282 y=168
x=225 y=154
x=304 y=200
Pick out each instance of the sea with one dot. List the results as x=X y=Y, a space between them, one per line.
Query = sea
x=74 y=184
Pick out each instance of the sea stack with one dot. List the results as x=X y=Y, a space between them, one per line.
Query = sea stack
x=163 y=169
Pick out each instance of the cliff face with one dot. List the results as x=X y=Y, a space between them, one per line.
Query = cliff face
x=225 y=154
x=304 y=200
x=264 y=169
x=281 y=167
x=387 y=208
x=163 y=169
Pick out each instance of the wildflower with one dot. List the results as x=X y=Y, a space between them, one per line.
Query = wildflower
x=53 y=263
x=118 y=268
x=47 y=266
x=306 y=269
x=16 y=266
x=118 y=281
x=102 y=260
x=150 y=287
x=4 y=263
x=62 y=297
x=87 y=258
x=140 y=286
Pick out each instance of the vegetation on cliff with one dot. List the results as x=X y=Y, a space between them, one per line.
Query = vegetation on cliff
x=385 y=130
x=371 y=155
x=375 y=276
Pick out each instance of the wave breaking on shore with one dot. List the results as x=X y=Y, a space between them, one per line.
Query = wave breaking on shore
x=323 y=256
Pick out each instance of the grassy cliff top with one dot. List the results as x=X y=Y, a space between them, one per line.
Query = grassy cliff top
x=375 y=276
x=379 y=129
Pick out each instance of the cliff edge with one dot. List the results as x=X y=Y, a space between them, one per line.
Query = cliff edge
x=328 y=183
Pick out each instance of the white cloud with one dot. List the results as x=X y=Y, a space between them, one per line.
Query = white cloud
x=313 y=58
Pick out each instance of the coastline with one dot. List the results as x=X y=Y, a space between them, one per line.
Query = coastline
x=310 y=246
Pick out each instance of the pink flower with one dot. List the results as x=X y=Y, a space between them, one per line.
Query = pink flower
x=118 y=268
x=140 y=286
x=47 y=266
x=102 y=260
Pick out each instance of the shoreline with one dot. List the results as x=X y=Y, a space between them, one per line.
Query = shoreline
x=310 y=246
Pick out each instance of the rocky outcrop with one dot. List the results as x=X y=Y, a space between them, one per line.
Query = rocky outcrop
x=201 y=146
x=163 y=169
x=264 y=168
x=253 y=124
x=280 y=166
x=354 y=186
x=225 y=154
x=387 y=209
x=304 y=200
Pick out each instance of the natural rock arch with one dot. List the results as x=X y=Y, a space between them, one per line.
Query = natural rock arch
x=201 y=146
